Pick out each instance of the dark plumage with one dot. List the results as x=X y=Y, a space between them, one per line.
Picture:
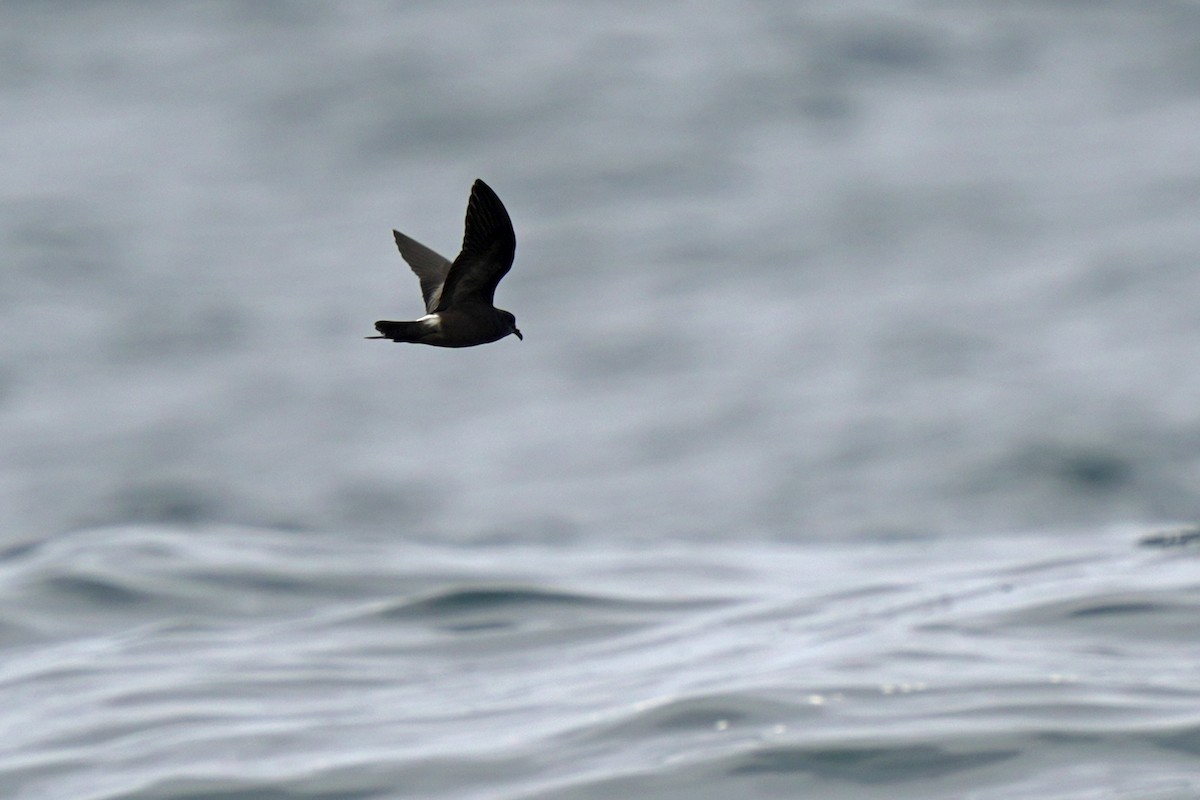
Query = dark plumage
x=459 y=295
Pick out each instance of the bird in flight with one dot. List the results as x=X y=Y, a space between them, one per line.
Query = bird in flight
x=458 y=295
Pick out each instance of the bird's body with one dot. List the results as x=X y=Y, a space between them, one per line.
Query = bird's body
x=459 y=294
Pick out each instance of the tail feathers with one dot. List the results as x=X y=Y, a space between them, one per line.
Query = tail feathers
x=400 y=331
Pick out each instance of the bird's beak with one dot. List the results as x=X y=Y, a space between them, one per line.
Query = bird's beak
x=518 y=333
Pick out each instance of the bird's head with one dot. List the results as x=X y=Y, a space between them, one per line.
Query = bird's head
x=512 y=324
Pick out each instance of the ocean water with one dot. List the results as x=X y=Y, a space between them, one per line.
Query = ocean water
x=852 y=450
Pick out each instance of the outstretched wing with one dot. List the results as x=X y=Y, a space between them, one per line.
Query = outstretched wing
x=431 y=269
x=487 y=251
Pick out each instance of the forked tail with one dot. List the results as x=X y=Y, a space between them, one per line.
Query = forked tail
x=400 y=331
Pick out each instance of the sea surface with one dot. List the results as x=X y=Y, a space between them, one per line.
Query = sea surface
x=852 y=451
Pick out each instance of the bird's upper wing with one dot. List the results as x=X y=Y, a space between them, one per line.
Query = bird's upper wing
x=431 y=269
x=487 y=251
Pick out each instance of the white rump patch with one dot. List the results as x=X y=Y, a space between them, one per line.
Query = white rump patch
x=431 y=321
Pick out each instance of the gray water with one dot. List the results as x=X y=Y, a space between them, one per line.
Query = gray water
x=853 y=449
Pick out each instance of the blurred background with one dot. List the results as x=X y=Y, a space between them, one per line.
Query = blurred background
x=786 y=270
x=860 y=353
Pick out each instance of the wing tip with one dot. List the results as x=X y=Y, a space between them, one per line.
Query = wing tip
x=487 y=217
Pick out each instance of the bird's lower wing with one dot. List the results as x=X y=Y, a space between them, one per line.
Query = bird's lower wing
x=430 y=268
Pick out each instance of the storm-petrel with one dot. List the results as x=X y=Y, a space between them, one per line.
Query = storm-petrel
x=458 y=296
